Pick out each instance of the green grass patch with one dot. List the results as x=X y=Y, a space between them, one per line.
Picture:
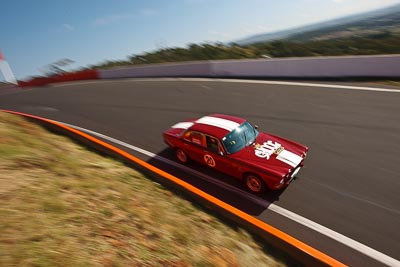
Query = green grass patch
x=62 y=205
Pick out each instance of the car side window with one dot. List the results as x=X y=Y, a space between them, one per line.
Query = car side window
x=212 y=144
x=195 y=138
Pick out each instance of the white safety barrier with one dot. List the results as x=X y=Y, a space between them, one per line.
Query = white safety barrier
x=312 y=67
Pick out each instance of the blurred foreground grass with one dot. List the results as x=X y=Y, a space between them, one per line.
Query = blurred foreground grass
x=62 y=205
x=393 y=83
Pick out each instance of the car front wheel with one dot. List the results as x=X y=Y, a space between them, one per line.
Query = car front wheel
x=254 y=183
x=181 y=156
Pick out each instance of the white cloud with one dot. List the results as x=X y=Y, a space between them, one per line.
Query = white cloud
x=68 y=27
x=247 y=28
x=338 y=1
x=219 y=35
x=111 y=19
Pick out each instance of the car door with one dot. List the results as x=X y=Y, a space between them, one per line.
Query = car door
x=215 y=157
x=194 y=145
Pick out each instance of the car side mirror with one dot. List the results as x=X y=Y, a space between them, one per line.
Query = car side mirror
x=256 y=127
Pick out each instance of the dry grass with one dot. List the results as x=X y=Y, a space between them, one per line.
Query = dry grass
x=392 y=83
x=62 y=205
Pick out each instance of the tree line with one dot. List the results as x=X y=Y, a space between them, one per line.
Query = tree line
x=374 y=44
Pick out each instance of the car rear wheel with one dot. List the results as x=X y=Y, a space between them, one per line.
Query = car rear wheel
x=181 y=156
x=254 y=183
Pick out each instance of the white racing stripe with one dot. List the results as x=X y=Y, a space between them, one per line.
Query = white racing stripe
x=289 y=158
x=182 y=125
x=218 y=122
x=368 y=251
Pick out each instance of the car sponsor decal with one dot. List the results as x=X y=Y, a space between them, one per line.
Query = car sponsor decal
x=209 y=160
x=218 y=122
x=182 y=125
x=268 y=148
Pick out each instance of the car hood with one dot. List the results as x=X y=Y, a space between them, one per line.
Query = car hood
x=272 y=153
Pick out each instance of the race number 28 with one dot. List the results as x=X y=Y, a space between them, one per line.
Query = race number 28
x=209 y=160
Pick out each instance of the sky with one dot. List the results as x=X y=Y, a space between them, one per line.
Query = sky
x=37 y=33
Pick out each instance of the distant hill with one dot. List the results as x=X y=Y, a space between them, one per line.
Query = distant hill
x=373 y=33
x=386 y=20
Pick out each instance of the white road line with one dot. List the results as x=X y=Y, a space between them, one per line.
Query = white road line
x=323 y=85
x=211 y=179
x=335 y=86
x=346 y=87
x=75 y=83
x=370 y=252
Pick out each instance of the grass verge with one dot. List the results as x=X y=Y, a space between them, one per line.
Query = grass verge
x=391 y=82
x=62 y=205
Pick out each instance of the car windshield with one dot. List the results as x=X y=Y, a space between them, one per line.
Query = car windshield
x=239 y=138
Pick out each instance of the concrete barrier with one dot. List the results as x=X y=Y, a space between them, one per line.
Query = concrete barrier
x=188 y=69
x=313 y=67
x=382 y=66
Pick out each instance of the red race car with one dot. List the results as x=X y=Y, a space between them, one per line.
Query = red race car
x=234 y=146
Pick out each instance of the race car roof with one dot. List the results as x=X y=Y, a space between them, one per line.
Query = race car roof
x=217 y=125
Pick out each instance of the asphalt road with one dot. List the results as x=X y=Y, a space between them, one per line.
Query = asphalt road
x=351 y=180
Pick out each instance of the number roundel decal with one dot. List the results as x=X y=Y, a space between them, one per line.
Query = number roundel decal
x=209 y=160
